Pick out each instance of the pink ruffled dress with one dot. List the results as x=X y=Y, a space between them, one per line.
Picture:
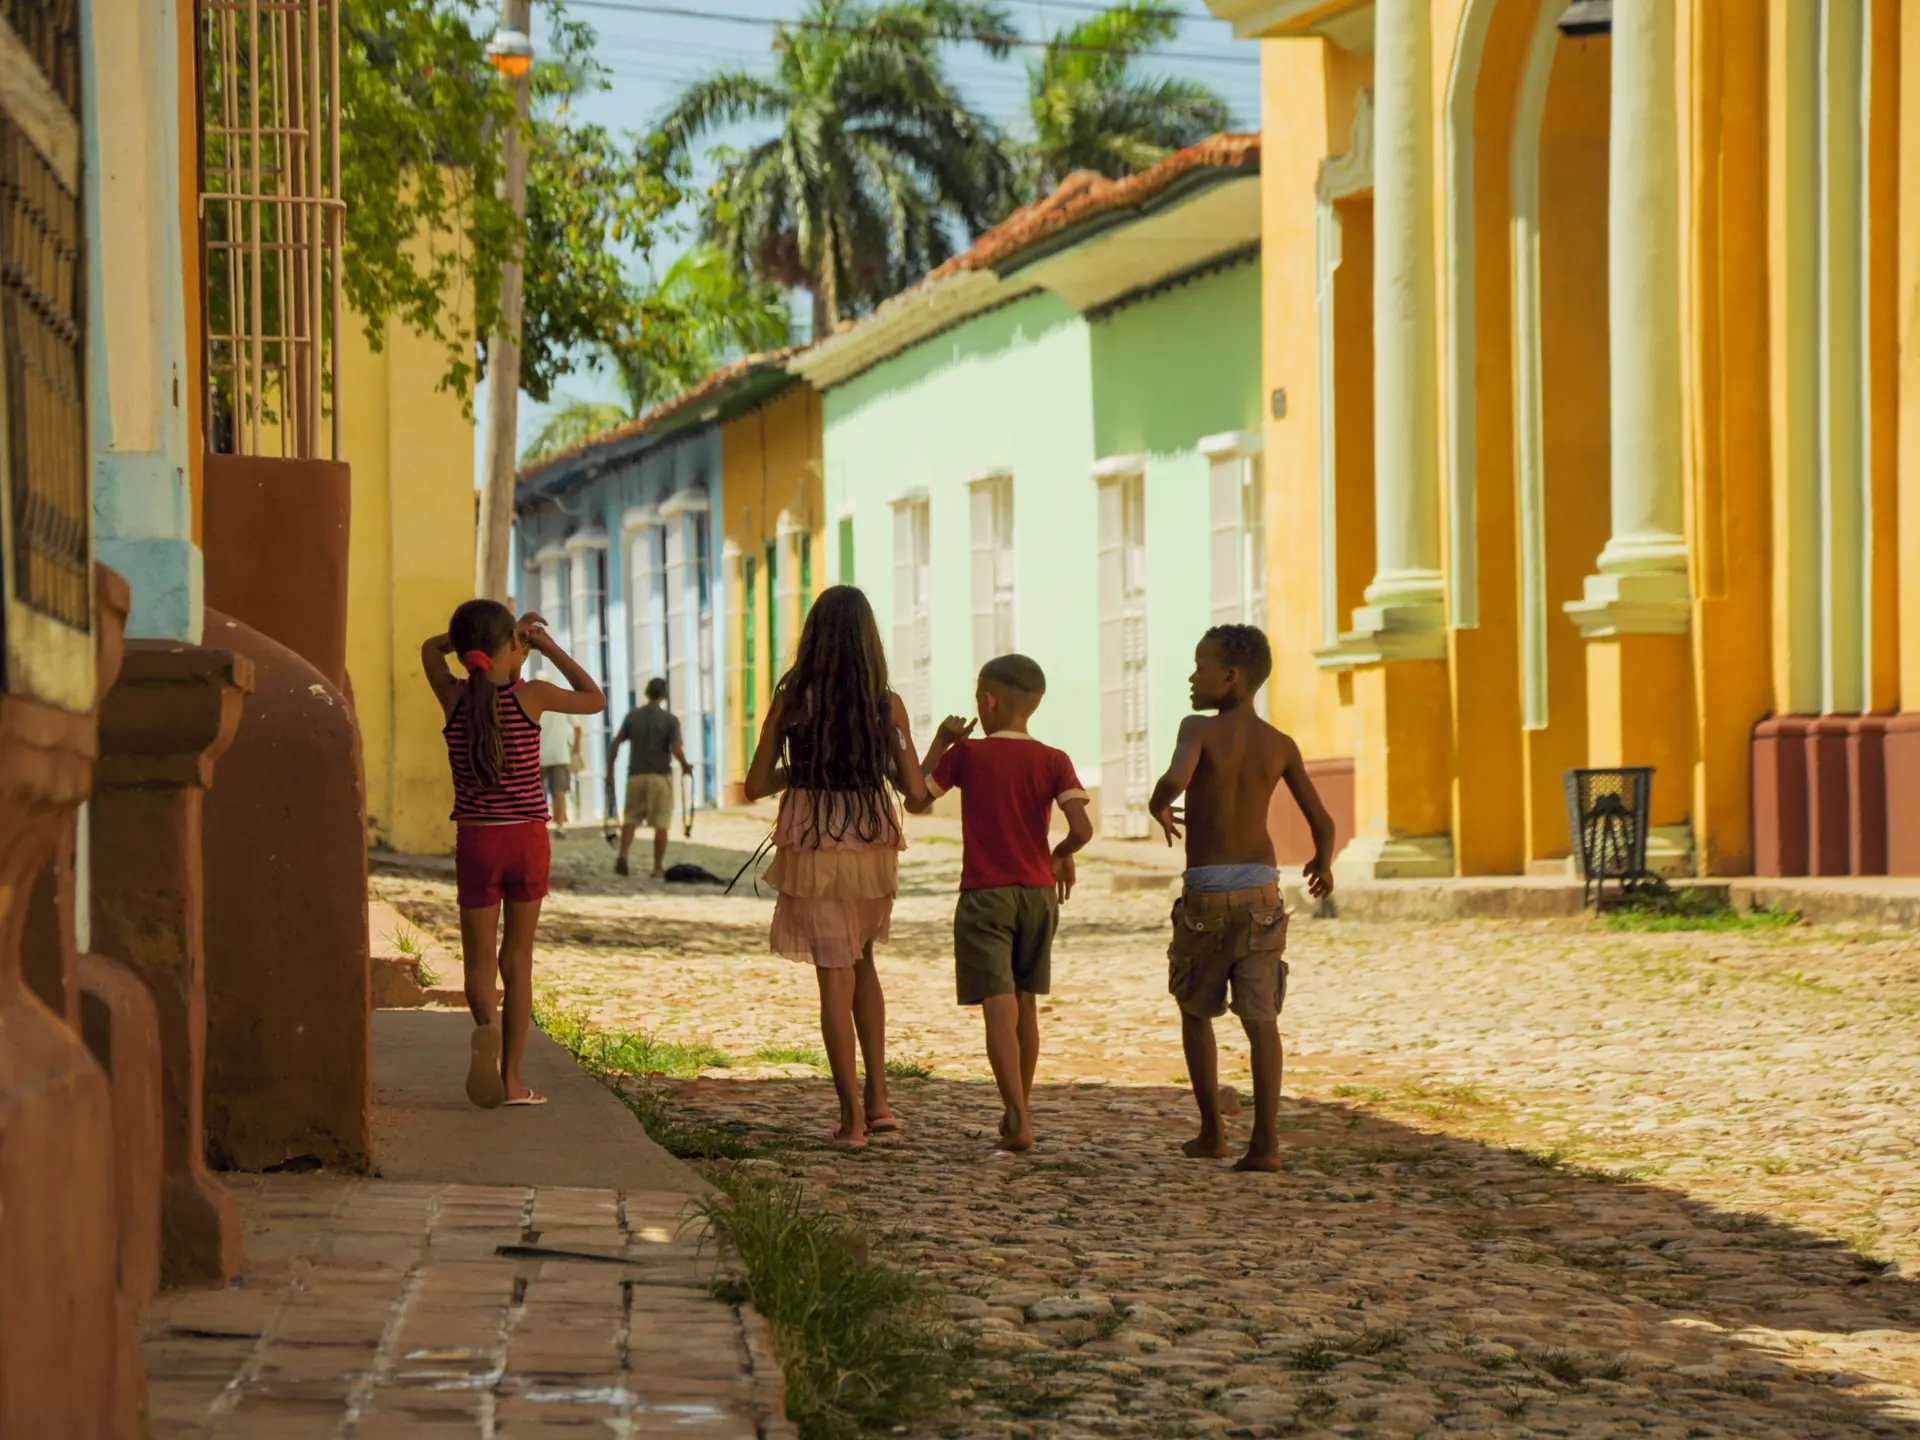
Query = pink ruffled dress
x=834 y=895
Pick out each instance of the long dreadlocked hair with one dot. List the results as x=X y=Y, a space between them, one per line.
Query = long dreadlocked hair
x=837 y=733
x=484 y=626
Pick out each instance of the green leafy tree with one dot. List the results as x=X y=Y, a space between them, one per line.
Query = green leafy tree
x=875 y=166
x=1092 y=109
x=702 y=313
x=426 y=227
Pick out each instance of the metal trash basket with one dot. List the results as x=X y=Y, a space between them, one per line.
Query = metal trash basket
x=1607 y=829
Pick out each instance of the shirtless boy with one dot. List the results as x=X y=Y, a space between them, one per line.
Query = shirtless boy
x=1229 y=926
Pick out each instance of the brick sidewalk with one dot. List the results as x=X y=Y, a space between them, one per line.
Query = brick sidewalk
x=370 y=1309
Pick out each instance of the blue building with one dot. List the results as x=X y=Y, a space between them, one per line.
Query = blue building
x=617 y=545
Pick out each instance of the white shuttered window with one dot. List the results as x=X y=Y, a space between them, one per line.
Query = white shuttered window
x=1125 y=763
x=1237 y=513
x=912 y=658
x=994 y=574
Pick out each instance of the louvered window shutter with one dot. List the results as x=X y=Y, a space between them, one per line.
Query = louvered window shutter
x=1113 y=714
x=922 y=713
x=679 y=695
x=980 y=502
x=902 y=657
x=1228 y=535
x=1006 y=634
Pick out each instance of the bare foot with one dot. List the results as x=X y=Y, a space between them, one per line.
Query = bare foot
x=848 y=1137
x=1207 y=1145
x=1013 y=1134
x=1258 y=1160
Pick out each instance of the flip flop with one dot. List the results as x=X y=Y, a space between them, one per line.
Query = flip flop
x=485 y=1088
x=885 y=1125
x=530 y=1098
x=833 y=1139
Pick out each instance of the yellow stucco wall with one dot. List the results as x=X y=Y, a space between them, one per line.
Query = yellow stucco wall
x=1687 y=703
x=1308 y=95
x=411 y=559
x=770 y=466
x=1905 y=314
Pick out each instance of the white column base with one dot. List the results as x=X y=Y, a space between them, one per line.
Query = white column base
x=1639 y=603
x=1398 y=631
x=1423 y=857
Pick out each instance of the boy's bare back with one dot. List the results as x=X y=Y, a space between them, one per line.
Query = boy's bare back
x=1241 y=760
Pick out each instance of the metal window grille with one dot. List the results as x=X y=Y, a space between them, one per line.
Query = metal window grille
x=271 y=225
x=41 y=280
x=49 y=31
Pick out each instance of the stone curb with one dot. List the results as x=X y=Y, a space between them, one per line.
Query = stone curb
x=769 y=1380
x=1888 y=902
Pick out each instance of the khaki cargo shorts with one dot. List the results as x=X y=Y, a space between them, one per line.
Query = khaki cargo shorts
x=1229 y=942
x=650 y=801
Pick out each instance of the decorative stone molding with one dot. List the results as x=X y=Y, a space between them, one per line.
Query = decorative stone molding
x=172 y=714
x=1646 y=603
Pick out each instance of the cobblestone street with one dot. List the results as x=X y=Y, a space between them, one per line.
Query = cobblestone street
x=1543 y=1177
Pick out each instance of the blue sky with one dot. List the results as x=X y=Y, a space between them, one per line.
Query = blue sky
x=652 y=55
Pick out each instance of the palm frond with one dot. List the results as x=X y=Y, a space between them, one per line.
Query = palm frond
x=572 y=423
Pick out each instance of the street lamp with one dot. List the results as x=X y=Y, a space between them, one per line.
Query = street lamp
x=510 y=52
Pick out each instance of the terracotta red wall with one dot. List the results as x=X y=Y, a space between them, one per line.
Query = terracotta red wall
x=1292 y=841
x=288 y=988
x=276 y=552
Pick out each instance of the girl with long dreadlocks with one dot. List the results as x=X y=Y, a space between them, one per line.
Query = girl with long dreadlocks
x=502 y=852
x=836 y=737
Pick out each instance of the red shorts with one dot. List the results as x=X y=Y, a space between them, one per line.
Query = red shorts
x=495 y=861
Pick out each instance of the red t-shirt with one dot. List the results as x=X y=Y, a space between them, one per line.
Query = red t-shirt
x=1008 y=784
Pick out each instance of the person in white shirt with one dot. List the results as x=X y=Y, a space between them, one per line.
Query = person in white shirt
x=559 y=750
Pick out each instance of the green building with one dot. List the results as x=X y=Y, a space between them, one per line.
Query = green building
x=1051 y=445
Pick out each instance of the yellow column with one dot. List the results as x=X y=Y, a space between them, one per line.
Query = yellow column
x=1403 y=730
x=1637 y=608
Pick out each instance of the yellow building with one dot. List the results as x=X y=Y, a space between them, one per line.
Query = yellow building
x=410 y=446
x=1583 y=338
x=773 y=528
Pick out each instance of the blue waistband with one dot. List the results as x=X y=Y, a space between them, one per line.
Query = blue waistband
x=1223 y=879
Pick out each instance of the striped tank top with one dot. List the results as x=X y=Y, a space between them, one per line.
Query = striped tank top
x=519 y=796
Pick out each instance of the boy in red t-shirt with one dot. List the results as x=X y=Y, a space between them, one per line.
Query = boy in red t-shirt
x=1011 y=885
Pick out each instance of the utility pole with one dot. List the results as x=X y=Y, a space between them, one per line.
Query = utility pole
x=512 y=55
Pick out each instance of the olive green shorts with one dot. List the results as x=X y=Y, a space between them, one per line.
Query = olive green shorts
x=1003 y=941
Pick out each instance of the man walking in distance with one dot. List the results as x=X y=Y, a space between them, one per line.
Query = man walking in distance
x=654 y=731
x=559 y=754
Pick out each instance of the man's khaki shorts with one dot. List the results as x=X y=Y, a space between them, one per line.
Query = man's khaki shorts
x=1230 y=941
x=650 y=801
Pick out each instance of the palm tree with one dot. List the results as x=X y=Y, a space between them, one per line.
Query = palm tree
x=1092 y=110
x=700 y=314
x=874 y=162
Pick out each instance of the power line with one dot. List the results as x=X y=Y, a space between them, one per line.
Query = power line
x=685 y=12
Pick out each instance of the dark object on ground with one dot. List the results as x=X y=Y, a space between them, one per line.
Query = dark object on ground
x=688 y=874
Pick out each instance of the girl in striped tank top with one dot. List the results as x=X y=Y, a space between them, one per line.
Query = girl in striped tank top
x=502 y=853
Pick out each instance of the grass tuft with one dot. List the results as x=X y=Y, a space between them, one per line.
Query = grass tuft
x=1562 y=1365
x=863 y=1343
x=639 y=1055
x=909 y=1070
x=1694 y=907
x=412 y=946
x=788 y=1055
